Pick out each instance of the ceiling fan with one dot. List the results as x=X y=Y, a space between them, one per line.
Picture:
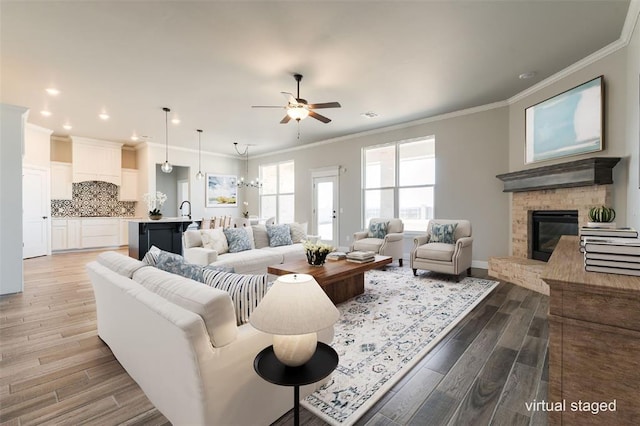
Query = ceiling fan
x=298 y=108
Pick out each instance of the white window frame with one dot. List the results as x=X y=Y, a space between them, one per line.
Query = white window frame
x=396 y=187
x=277 y=193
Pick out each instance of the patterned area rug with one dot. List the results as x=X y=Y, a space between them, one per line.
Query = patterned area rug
x=384 y=332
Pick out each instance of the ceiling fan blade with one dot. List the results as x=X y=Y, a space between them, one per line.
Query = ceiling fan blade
x=285 y=120
x=319 y=117
x=267 y=106
x=325 y=105
x=290 y=98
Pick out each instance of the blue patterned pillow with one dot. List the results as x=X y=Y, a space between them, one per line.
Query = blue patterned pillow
x=279 y=235
x=377 y=229
x=443 y=233
x=176 y=264
x=238 y=239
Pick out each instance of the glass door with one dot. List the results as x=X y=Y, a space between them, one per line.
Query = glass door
x=325 y=217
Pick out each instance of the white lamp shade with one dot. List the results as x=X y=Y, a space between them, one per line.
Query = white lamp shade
x=298 y=112
x=295 y=304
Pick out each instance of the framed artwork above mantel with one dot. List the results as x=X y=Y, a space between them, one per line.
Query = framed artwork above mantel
x=567 y=124
x=221 y=190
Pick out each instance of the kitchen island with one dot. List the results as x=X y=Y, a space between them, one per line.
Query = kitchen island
x=166 y=234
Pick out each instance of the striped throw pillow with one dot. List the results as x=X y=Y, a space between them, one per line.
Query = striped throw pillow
x=151 y=257
x=246 y=291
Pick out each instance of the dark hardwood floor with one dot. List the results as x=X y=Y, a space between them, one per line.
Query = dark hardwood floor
x=55 y=370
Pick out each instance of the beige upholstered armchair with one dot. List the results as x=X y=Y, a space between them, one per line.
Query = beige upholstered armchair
x=445 y=248
x=384 y=236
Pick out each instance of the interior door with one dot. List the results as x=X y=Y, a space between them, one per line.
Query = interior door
x=325 y=218
x=35 y=212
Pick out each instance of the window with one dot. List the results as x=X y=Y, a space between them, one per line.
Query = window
x=399 y=180
x=277 y=197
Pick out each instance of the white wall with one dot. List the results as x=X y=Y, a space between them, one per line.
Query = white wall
x=633 y=126
x=471 y=149
x=37 y=146
x=153 y=154
x=12 y=122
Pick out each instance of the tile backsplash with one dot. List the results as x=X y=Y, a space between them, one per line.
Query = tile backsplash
x=92 y=199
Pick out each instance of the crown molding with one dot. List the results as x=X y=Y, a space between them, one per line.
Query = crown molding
x=391 y=128
x=630 y=22
x=189 y=150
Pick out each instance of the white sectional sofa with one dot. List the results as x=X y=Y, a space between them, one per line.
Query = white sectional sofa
x=179 y=340
x=253 y=261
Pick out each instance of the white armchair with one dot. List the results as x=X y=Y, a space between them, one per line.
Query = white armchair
x=387 y=242
x=438 y=254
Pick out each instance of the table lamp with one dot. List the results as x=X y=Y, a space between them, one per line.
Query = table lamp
x=293 y=309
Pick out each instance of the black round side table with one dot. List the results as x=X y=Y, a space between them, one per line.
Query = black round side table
x=321 y=364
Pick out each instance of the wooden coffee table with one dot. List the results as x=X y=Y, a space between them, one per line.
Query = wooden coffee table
x=340 y=279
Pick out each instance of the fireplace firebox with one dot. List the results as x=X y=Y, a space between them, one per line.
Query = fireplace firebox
x=547 y=226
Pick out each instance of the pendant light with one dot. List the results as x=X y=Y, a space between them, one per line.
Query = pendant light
x=166 y=166
x=199 y=175
x=241 y=182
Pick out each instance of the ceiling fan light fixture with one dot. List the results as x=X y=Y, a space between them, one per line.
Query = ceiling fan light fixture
x=297 y=112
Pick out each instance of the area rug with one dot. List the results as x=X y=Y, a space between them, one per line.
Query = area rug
x=384 y=332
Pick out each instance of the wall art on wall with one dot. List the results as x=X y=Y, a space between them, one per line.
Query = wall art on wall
x=567 y=124
x=222 y=190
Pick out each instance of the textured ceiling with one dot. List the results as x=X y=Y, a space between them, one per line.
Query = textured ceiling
x=210 y=61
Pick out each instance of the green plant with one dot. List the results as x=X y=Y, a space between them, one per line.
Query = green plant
x=602 y=214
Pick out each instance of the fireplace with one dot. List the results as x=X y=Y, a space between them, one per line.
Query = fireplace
x=546 y=228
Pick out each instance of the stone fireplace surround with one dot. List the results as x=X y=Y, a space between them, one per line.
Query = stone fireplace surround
x=519 y=269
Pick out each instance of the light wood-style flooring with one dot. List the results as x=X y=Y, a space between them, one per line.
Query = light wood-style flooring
x=55 y=370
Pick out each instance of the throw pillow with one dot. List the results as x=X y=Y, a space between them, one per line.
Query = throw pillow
x=238 y=239
x=215 y=239
x=377 y=229
x=443 y=233
x=246 y=291
x=260 y=236
x=279 y=235
x=249 y=232
x=151 y=257
x=176 y=264
x=298 y=232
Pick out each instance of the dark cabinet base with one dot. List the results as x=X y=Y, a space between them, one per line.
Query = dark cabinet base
x=166 y=236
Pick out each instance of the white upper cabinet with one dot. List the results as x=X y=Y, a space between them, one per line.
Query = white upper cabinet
x=96 y=160
x=129 y=187
x=61 y=186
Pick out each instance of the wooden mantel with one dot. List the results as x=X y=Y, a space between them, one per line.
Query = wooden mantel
x=590 y=171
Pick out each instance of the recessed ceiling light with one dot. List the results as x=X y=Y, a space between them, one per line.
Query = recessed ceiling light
x=527 y=75
x=52 y=91
x=175 y=120
x=67 y=126
x=103 y=116
x=134 y=137
x=369 y=114
x=46 y=113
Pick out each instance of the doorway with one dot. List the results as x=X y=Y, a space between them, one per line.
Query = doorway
x=35 y=212
x=325 y=204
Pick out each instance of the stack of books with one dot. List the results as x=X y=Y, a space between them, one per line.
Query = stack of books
x=361 y=256
x=336 y=255
x=612 y=255
x=604 y=233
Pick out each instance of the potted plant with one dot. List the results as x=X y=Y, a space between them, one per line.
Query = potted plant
x=316 y=252
x=154 y=203
x=601 y=217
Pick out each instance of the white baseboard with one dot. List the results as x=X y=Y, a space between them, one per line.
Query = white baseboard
x=480 y=264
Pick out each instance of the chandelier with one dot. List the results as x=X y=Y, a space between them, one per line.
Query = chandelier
x=241 y=182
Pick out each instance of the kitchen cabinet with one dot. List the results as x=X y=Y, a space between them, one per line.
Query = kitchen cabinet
x=58 y=234
x=61 y=181
x=129 y=186
x=100 y=232
x=65 y=234
x=96 y=160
